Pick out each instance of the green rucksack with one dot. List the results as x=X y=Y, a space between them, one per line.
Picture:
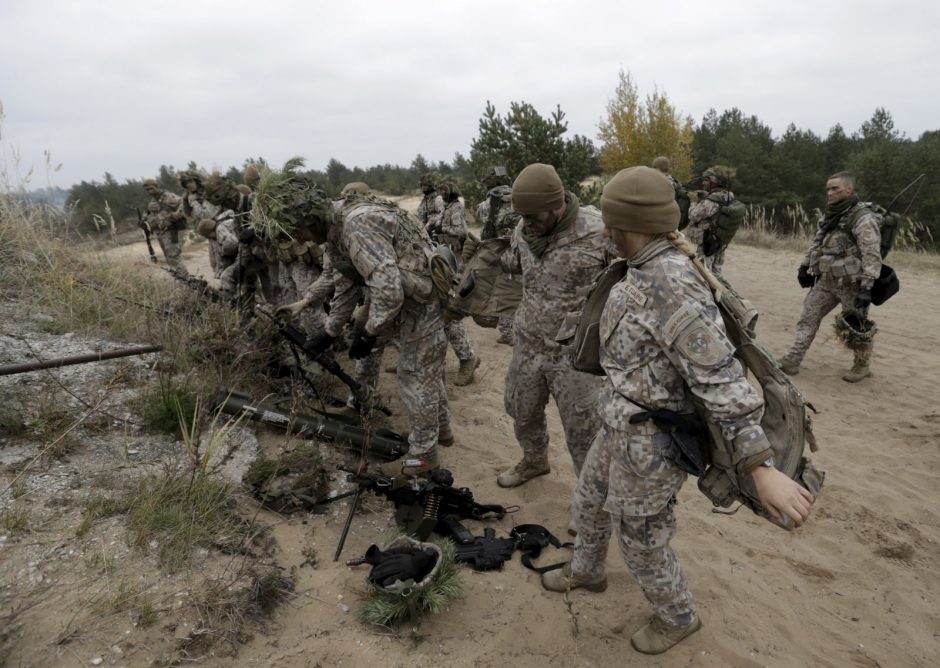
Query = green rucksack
x=730 y=217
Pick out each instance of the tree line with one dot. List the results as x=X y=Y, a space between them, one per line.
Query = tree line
x=776 y=174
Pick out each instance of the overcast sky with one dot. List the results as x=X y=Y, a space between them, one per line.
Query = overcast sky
x=123 y=87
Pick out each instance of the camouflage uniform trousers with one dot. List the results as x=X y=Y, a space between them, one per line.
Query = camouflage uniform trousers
x=456 y=332
x=421 y=382
x=243 y=275
x=626 y=481
x=533 y=377
x=172 y=251
x=715 y=262
x=215 y=257
x=505 y=326
x=828 y=293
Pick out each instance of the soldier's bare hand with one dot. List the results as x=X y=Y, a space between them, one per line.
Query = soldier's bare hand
x=782 y=496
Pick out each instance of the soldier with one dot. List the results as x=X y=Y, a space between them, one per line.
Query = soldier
x=704 y=228
x=840 y=266
x=431 y=206
x=499 y=220
x=376 y=247
x=558 y=249
x=197 y=208
x=166 y=220
x=662 y=164
x=662 y=341
x=452 y=232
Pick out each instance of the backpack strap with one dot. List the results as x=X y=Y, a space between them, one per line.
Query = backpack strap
x=530 y=539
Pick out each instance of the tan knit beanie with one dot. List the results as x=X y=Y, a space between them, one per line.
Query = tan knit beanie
x=640 y=199
x=538 y=188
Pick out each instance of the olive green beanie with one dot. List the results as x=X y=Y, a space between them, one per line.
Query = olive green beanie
x=538 y=188
x=640 y=199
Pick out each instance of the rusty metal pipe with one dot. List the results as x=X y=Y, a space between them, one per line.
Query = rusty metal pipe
x=11 y=369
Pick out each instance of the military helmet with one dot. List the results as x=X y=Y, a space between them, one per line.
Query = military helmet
x=151 y=183
x=449 y=186
x=661 y=163
x=252 y=175
x=719 y=175
x=360 y=187
x=853 y=330
x=219 y=188
x=190 y=175
x=428 y=179
x=206 y=228
x=496 y=176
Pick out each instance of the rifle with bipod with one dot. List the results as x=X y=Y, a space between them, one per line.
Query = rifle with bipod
x=197 y=285
x=423 y=505
x=145 y=226
x=364 y=396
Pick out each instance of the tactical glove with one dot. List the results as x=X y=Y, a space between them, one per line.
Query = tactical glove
x=362 y=344
x=863 y=298
x=319 y=343
x=246 y=235
x=711 y=244
x=805 y=278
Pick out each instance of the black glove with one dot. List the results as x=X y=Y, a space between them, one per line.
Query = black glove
x=319 y=343
x=246 y=234
x=399 y=563
x=711 y=244
x=362 y=344
x=805 y=278
x=863 y=298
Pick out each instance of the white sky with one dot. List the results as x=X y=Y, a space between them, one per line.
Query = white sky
x=124 y=87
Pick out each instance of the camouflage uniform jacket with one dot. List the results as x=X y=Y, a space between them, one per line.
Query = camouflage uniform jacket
x=196 y=207
x=169 y=204
x=430 y=210
x=381 y=248
x=704 y=214
x=322 y=288
x=850 y=249
x=552 y=286
x=663 y=341
x=226 y=236
x=453 y=229
x=505 y=219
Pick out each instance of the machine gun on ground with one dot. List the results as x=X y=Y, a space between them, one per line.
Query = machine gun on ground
x=145 y=226
x=198 y=285
x=423 y=505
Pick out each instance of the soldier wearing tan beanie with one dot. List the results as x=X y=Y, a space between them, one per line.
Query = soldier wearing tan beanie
x=660 y=322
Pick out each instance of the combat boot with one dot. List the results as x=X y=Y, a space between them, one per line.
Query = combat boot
x=658 y=636
x=789 y=366
x=562 y=580
x=466 y=371
x=522 y=472
x=859 y=371
x=445 y=436
x=506 y=338
x=418 y=465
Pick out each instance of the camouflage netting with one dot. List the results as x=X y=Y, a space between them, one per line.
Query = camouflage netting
x=196 y=175
x=287 y=200
x=852 y=332
x=720 y=174
x=293 y=482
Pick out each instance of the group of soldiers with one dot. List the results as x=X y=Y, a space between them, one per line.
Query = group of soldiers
x=662 y=340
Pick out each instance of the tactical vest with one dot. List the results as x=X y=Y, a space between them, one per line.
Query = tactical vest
x=838 y=254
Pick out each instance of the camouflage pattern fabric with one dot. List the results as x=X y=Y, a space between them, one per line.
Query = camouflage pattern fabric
x=453 y=228
x=635 y=457
x=388 y=251
x=506 y=328
x=430 y=210
x=504 y=221
x=322 y=288
x=172 y=250
x=295 y=277
x=828 y=293
x=168 y=205
x=459 y=339
x=853 y=253
x=703 y=215
x=226 y=241
x=540 y=366
x=661 y=339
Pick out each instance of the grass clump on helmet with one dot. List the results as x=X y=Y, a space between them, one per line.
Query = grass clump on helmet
x=287 y=200
x=191 y=175
x=720 y=175
x=219 y=188
x=449 y=189
x=428 y=179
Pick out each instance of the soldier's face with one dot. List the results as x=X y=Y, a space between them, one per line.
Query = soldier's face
x=153 y=191
x=539 y=224
x=837 y=190
x=191 y=186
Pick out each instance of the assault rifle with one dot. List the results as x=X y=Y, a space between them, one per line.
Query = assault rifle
x=197 y=285
x=364 y=396
x=145 y=226
x=422 y=505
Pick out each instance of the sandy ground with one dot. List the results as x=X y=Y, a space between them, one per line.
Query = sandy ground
x=856 y=586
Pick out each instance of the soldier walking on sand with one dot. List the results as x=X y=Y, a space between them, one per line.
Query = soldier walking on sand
x=840 y=267
x=558 y=249
x=660 y=324
x=705 y=229
x=166 y=220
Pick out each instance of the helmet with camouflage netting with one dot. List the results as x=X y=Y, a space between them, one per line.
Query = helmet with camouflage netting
x=428 y=179
x=496 y=176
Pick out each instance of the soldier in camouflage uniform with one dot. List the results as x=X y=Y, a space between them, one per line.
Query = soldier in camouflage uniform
x=166 y=218
x=431 y=206
x=703 y=219
x=377 y=248
x=452 y=232
x=197 y=208
x=499 y=220
x=840 y=267
x=558 y=249
x=662 y=338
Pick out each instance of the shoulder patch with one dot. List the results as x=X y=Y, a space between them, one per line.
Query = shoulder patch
x=679 y=321
x=636 y=294
x=702 y=345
